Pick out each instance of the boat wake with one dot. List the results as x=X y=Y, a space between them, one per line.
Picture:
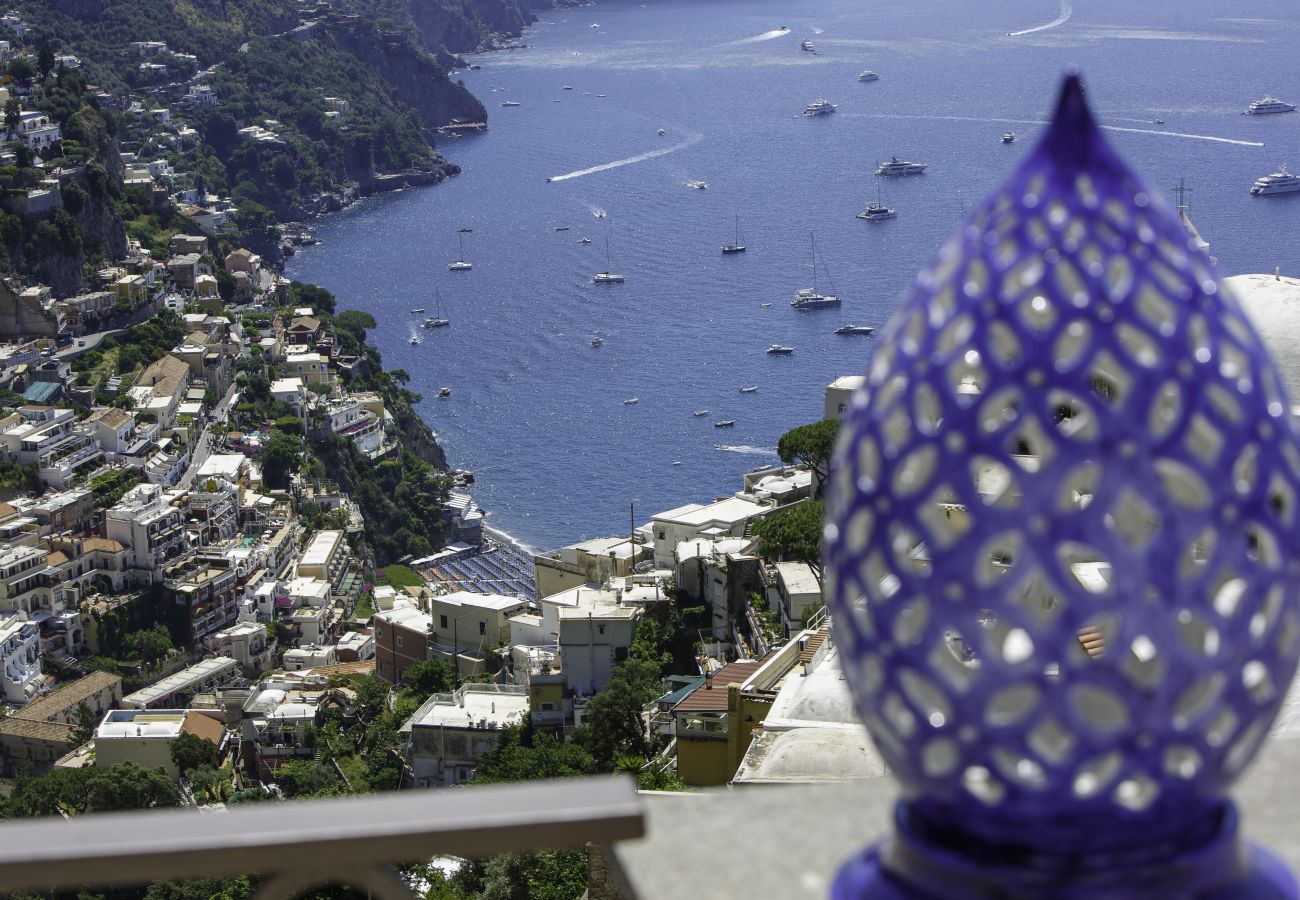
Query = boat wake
x=1066 y=12
x=745 y=448
x=597 y=212
x=619 y=163
x=1178 y=134
x=765 y=36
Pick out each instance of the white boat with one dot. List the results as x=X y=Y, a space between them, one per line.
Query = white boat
x=1280 y=182
x=568 y=87
x=811 y=298
x=433 y=322
x=896 y=166
x=779 y=350
x=736 y=246
x=662 y=132
x=606 y=277
x=584 y=240
x=436 y=320
x=878 y=211
x=1268 y=105
x=597 y=341
x=1008 y=137
x=764 y=306
x=725 y=423
x=854 y=329
x=698 y=185
x=749 y=389
x=631 y=401
x=868 y=75
x=416 y=310
x=415 y=339
x=460 y=264
x=509 y=102
x=700 y=412
x=444 y=392
x=807 y=45
x=819 y=107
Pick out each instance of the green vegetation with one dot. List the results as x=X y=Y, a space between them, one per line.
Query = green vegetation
x=72 y=791
x=400 y=576
x=109 y=487
x=190 y=752
x=792 y=534
x=810 y=445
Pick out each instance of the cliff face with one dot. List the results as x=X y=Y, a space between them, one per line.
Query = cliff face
x=415 y=78
x=463 y=26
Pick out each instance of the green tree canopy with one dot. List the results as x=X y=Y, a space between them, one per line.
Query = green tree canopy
x=124 y=786
x=281 y=457
x=613 y=724
x=355 y=322
x=431 y=676
x=522 y=755
x=810 y=445
x=190 y=752
x=792 y=534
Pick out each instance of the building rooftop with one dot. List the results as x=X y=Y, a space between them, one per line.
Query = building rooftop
x=223 y=466
x=69 y=696
x=711 y=696
x=474 y=706
x=1273 y=306
x=799 y=577
x=321 y=546
x=495 y=602
x=179 y=681
x=142 y=723
x=848 y=382
x=728 y=511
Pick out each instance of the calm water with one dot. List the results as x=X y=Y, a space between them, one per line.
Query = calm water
x=539 y=414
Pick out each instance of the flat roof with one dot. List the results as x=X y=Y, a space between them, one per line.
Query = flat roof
x=141 y=723
x=732 y=509
x=322 y=545
x=467 y=708
x=498 y=602
x=179 y=681
x=799 y=578
x=223 y=465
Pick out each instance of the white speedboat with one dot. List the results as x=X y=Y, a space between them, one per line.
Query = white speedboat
x=1008 y=137
x=597 y=341
x=725 y=423
x=699 y=413
x=444 y=392
x=749 y=389
x=568 y=87
x=1268 y=105
x=631 y=401
x=584 y=240
x=896 y=166
x=868 y=75
x=854 y=329
x=807 y=46
x=779 y=350
x=662 y=132
x=1280 y=182
x=819 y=107
x=416 y=310
x=698 y=185
x=415 y=339
x=509 y=102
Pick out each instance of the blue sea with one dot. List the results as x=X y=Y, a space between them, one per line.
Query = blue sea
x=539 y=414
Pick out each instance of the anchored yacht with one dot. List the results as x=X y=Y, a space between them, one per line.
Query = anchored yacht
x=807 y=45
x=779 y=350
x=897 y=166
x=855 y=329
x=819 y=107
x=868 y=75
x=1008 y=137
x=1269 y=105
x=1280 y=182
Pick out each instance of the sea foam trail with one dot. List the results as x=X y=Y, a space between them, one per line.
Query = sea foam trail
x=1177 y=134
x=640 y=157
x=765 y=36
x=745 y=448
x=1066 y=12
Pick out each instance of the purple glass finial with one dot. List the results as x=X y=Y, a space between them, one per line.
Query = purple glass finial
x=1060 y=535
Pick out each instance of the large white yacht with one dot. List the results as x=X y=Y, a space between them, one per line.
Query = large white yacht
x=807 y=45
x=868 y=75
x=1269 y=105
x=819 y=107
x=1280 y=182
x=896 y=166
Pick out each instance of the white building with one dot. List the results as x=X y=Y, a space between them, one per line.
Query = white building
x=839 y=393
x=449 y=733
x=246 y=643
x=20 y=654
x=149 y=526
x=145 y=737
x=725 y=518
x=35 y=130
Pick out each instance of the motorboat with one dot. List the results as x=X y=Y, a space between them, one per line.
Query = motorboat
x=444 y=392
x=1267 y=105
x=597 y=341
x=509 y=102
x=896 y=166
x=698 y=185
x=700 y=413
x=725 y=423
x=764 y=306
x=878 y=211
x=460 y=264
x=868 y=75
x=415 y=339
x=631 y=401
x=807 y=46
x=736 y=246
x=778 y=350
x=1280 y=182
x=568 y=87
x=1008 y=137
x=676 y=462
x=662 y=132
x=584 y=240
x=855 y=329
x=599 y=214
x=432 y=322
x=416 y=310
x=606 y=277
x=819 y=107
x=811 y=298
x=561 y=227
x=749 y=389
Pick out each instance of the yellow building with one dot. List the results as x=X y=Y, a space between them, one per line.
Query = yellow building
x=715 y=722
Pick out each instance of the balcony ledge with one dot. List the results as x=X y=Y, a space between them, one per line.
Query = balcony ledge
x=822 y=825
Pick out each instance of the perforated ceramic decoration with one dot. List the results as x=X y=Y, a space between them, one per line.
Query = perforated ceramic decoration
x=1061 y=525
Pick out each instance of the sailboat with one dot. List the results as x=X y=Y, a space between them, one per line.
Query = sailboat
x=878 y=211
x=460 y=264
x=736 y=246
x=810 y=298
x=606 y=277
x=436 y=320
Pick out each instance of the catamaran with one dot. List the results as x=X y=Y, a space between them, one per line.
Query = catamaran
x=736 y=246
x=811 y=298
x=878 y=211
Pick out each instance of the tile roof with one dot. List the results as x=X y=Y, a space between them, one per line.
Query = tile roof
x=55 y=733
x=107 y=545
x=110 y=416
x=203 y=726
x=67 y=697
x=711 y=696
